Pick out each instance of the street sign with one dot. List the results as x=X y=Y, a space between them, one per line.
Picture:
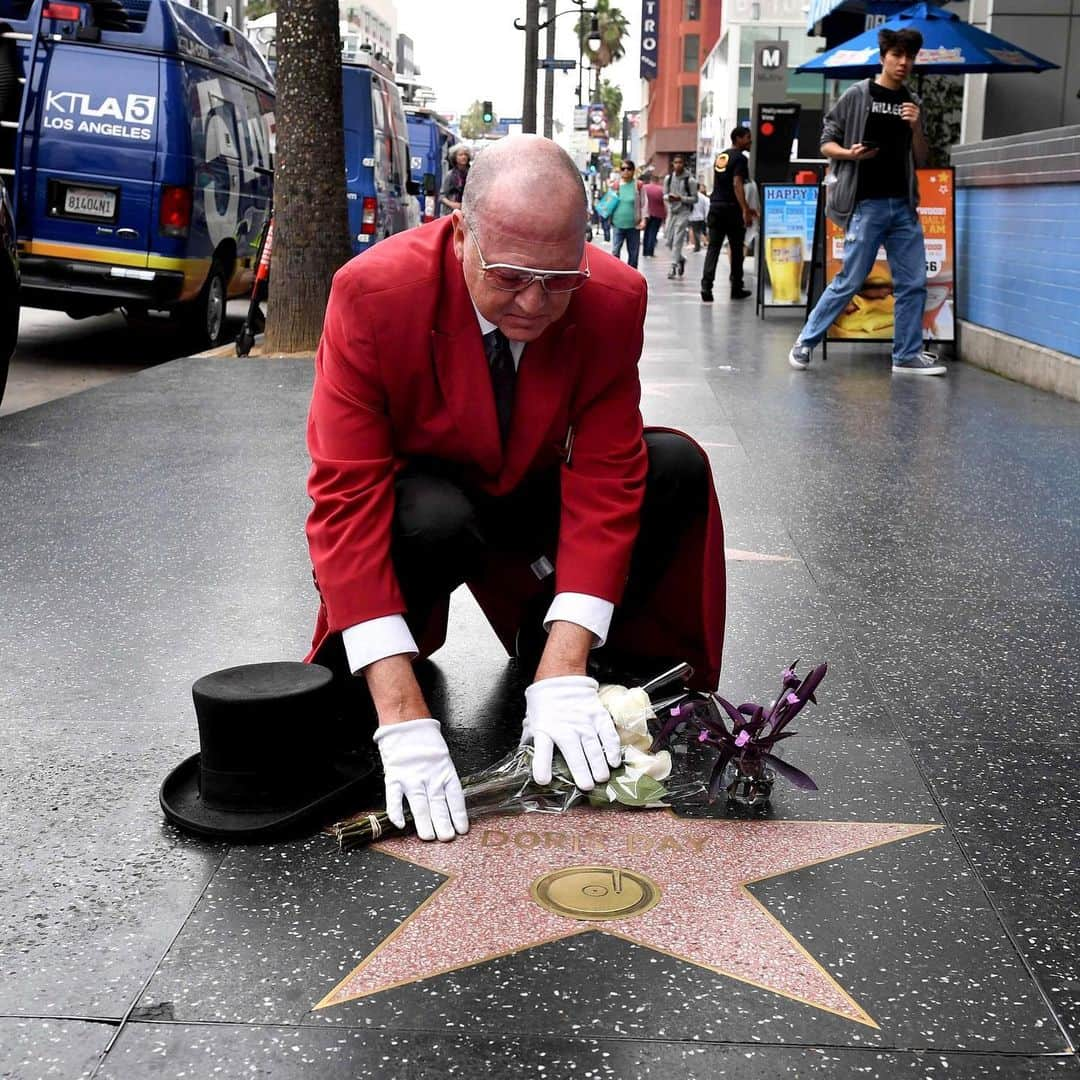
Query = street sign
x=770 y=70
x=770 y=84
x=581 y=117
x=550 y=64
x=775 y=128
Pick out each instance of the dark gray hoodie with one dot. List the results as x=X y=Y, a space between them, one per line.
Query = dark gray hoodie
x=845 y=123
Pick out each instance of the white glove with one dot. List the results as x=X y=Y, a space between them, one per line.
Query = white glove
x=565 y=712
x=417 y=766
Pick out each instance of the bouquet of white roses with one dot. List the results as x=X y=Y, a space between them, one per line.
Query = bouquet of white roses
x=507 y=787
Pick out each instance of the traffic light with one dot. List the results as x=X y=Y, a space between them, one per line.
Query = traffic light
x=488 y=114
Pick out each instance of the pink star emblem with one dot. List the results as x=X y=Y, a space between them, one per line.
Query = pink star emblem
x=705 y=914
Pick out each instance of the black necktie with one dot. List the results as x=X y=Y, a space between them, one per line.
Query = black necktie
x=503 y=376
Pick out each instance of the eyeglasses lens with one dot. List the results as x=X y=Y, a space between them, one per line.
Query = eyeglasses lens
x=509 y=281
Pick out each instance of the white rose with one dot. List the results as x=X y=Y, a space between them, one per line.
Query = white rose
x=609 y=694
x=631 y=711
x=638 y=763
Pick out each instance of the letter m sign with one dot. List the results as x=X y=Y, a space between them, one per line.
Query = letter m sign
x=770 y=70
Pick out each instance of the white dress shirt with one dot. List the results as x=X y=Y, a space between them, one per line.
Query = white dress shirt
x=389 y=635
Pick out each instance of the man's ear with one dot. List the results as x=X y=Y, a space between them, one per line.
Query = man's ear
x=459 y=235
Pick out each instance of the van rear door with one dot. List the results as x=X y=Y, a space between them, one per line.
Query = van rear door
x=97 y=118
x=359 y=156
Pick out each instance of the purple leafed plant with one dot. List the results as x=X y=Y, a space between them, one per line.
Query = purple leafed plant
x=753 y=733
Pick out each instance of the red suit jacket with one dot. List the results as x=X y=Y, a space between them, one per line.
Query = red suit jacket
x=401 y=372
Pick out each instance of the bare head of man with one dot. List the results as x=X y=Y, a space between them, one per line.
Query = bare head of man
x=524 y=209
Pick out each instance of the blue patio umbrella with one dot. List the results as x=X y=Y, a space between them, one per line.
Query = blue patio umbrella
x=950 y=47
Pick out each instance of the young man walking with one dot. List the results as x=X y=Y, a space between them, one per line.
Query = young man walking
x=698 y=217
x=680 y=194
x=874 y=137
x=729 y=214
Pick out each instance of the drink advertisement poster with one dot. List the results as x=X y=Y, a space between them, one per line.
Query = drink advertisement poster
x=869 y=315
x=789 y=217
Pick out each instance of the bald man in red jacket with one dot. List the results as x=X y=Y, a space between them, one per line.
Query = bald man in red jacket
x=475 y=419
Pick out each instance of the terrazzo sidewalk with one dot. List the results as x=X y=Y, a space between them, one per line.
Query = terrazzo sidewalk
x=915 y=917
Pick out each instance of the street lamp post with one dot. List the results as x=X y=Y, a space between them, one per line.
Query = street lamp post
x=594 y=41
x=549 y=72
x=532 y=31
x=532 y=27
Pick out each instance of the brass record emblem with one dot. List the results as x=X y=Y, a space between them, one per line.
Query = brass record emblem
x=595 y=892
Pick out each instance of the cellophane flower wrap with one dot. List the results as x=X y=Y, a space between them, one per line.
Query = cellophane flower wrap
x=507 y=787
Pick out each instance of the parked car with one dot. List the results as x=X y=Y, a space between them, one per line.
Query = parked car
x=144 y=159
x=381 y=194
x=9 y=288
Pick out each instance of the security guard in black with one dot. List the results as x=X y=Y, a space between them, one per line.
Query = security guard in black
x=728 y=165
x=728 y=214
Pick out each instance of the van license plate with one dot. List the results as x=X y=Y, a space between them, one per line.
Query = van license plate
x=86 y=202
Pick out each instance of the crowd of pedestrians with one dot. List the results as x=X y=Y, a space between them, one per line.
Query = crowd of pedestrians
x=874 y=138
x=636 y=212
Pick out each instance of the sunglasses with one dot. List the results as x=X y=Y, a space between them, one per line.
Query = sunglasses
x=510 y=278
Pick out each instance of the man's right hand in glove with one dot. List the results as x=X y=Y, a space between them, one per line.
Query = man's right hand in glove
x=565 y=714
x=417 y=768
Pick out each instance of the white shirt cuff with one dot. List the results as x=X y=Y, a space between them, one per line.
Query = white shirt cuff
x=583 y=610
x=376 y=639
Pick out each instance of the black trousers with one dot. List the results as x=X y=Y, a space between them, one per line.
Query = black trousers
x=725 y=221
x=443 y=531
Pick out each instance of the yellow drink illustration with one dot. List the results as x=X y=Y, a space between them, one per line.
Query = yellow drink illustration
x=784 y=258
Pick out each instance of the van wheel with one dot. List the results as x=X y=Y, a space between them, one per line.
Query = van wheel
x=205 y=316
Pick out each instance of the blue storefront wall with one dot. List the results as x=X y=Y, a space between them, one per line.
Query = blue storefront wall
x=1018 y=253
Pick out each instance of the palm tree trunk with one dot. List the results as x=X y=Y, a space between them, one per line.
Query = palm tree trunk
x=311 y=228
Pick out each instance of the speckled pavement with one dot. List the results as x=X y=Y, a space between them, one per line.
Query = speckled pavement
x=915 y=917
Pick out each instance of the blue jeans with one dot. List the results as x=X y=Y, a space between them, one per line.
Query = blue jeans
x=648 y=241
x=631 y=236
x=895 y=224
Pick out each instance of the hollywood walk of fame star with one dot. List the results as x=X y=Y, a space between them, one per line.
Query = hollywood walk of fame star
x=706 y=915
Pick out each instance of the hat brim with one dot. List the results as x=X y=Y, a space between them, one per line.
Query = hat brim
x=182 y=805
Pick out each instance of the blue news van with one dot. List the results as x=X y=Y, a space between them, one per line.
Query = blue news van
x=429 y=140
x=139 y=156
x=380 y=192
x=9 y=288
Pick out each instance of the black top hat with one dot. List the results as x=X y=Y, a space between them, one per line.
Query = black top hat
x=271 y=761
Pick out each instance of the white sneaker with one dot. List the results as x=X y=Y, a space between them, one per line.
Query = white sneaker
x=799 y=357
x=924 y=364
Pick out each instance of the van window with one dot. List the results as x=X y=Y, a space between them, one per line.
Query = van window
x=222 y=129
x=387 y=154
x=397 y=134
x=254 y=142
x=378 y=106
x=267 y=126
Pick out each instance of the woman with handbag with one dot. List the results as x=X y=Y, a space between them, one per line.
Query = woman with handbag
x=603 y=206
x=628 y=217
